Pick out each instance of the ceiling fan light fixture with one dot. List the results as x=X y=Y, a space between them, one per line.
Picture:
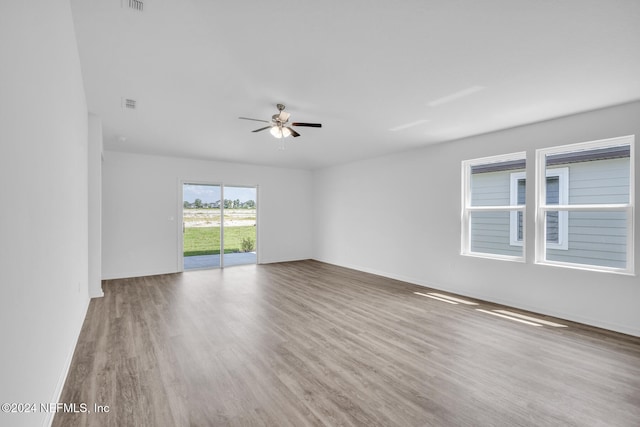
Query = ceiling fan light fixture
x=280 y=132
x=275 y=131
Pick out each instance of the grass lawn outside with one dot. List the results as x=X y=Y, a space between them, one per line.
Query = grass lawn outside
x=206 y=240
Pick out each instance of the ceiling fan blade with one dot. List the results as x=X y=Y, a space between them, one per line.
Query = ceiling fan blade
x=310 y=125
x=293 y=132
x=258 y=130
x=255 y=120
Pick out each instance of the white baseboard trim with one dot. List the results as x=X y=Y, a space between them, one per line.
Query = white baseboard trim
x=598 y=323
x=132 y=274
x=275 y=261
x=67 y=365
x=571 y=317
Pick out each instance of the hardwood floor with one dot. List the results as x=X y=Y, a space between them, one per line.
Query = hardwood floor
x=310 y=344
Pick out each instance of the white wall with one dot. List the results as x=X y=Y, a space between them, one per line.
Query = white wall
x=141 y=208
x=399 y=216
x=94 y=183
x=43 y=208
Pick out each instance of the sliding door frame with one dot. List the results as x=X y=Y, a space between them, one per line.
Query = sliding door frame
x=180 y=218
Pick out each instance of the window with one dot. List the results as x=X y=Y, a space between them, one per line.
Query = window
x=586 y=221
x=557 y=192
x=489 y=209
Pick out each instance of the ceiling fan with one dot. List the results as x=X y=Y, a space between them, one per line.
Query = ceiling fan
x=279 y=124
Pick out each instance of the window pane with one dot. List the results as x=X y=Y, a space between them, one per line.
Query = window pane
x=597 y=176
x=553 y=227
x=521 y=191
x=595 y=238
x=490 y=183
x=553 y=190
x=521 y=201
x=490 y=234
x=497 y=182
x=553 y=198
x=520 y=226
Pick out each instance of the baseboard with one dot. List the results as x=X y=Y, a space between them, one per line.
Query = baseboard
x=275 y=261
x=131 y=274
x=596 y=323
x=388 y=275
x=67 y=365
x=610 y=326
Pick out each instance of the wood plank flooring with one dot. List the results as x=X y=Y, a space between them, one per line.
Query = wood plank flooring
x=310 y=344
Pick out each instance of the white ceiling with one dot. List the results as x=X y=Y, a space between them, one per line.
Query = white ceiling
x=381 y=76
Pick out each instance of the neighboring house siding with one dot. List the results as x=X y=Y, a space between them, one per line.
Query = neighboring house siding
x=490 y=230
x=597 y=238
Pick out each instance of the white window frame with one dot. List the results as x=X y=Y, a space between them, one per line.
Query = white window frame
x=513 y=199
x=541 y=206
x=563 y=199
x=467 y=209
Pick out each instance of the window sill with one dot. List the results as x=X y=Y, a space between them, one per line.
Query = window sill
x=493 y=256
x=593 y=268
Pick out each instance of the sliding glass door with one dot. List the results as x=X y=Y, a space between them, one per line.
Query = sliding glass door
x=219 y=225
x=239 y=226
x=201 y=225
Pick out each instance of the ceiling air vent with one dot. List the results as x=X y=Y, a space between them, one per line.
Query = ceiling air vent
x=129 y=104
x=135 y=4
